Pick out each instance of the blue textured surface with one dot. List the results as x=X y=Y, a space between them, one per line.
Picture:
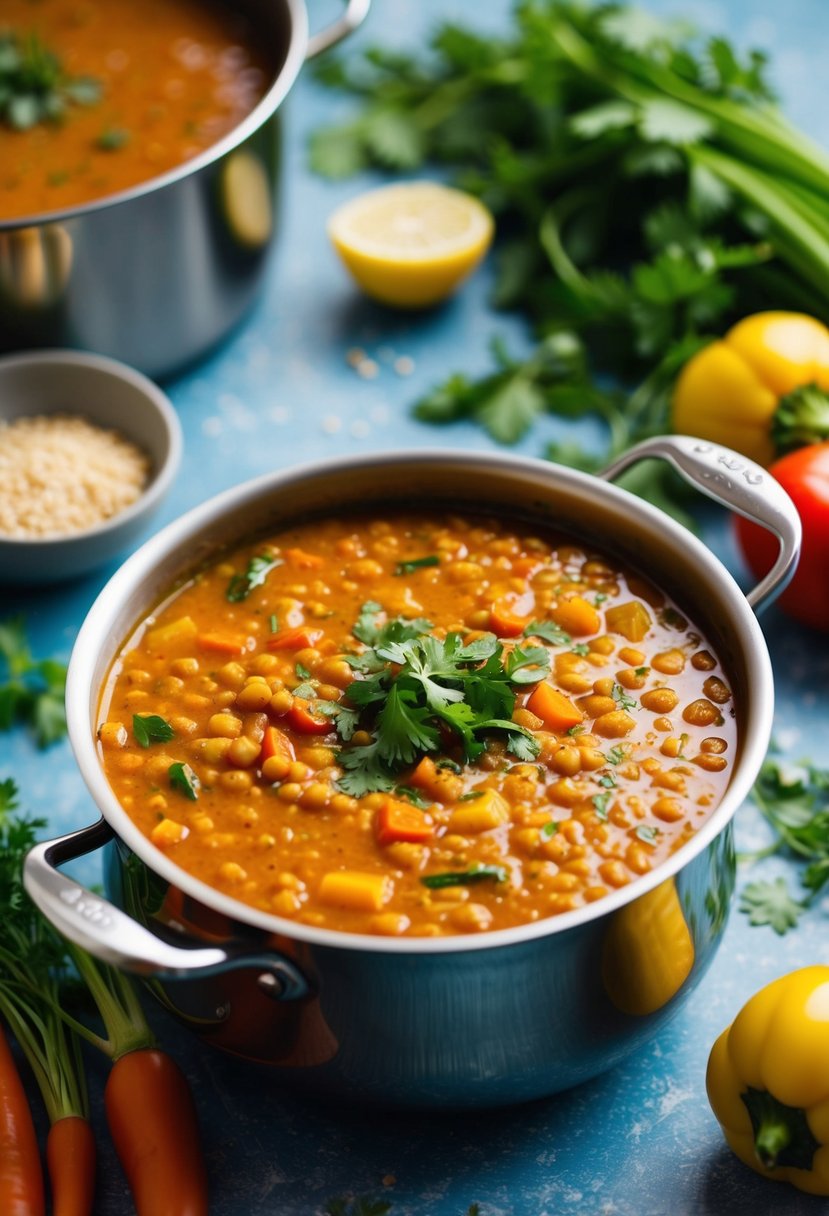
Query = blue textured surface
x=640 y=1141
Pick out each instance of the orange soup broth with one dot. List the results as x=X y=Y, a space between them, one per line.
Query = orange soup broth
x=622 y=780
x=175 y=76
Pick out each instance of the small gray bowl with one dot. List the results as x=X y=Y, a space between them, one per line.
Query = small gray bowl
x=107 y=394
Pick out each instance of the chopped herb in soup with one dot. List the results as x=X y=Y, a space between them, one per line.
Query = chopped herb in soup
x=331 y=728
x=100 y=95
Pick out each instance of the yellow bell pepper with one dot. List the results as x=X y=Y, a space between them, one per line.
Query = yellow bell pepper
x=761 y=389
x=768 y=1081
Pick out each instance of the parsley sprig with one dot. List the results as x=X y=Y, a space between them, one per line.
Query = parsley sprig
x=31 y=690
x=413 y=688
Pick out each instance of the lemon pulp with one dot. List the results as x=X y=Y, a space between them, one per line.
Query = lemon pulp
x=411 y=244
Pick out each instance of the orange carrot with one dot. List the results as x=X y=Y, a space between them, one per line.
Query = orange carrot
x=276 y=743
x=70 y=1156
x=21 y=1176
x=301 y=718
x=294 y=639
x=222 y=643
x=554 y=709
x=504 y=622
x=303 y=560
x=152 y=1119
x=401 y=821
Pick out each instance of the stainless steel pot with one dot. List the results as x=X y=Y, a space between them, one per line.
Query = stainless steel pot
x=158 y=274
x=495 y=1018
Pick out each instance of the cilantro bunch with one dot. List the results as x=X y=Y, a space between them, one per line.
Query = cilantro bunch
x=647 y=192
x=417 y=693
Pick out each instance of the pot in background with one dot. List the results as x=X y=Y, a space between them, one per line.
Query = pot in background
x=470 y=1020
x=158 y=274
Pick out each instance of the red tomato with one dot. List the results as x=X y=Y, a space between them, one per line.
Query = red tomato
x=804 y=474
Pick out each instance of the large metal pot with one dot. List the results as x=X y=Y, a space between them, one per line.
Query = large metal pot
x=494 y=1018
x=158 y=274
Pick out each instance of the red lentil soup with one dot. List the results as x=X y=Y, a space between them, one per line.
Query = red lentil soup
x=412 y=725
x=160 y=81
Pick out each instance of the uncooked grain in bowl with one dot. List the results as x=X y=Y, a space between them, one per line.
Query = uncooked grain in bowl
x=60 y=474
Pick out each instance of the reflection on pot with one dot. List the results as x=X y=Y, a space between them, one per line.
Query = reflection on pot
x=34 y=268
x=246 y=191
x=648 y=951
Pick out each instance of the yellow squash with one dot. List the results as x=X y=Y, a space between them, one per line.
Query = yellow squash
x=768 y=1081
x=761 y=389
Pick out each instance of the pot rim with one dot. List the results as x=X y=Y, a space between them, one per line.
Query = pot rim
x=282 y=83
x=81 y=688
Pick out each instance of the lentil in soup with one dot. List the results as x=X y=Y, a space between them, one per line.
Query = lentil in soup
x=407 y=725
x=156 y=82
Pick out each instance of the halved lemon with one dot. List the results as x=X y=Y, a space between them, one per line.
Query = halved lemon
x=411 y=244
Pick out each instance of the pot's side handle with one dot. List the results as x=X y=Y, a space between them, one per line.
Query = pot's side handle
x=737 y=483
x=355 y=14
x=96 y=925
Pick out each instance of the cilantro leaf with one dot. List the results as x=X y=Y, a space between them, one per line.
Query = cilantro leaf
x=151 y=728
x=366 y=628
x=622 y=699
x=183 y=779
x=258 y=569
x=769 y=903
x=548 y=631
x=345 y=719
x=528 y=666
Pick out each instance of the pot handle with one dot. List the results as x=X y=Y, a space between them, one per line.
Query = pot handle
x=96 y=925
x=355 y=14
x=736 y=483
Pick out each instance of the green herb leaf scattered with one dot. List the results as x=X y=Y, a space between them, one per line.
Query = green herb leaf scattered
x=548 y=631
x=183 y=779
x=151 y=728
x=258 y=569
x=464 y=877
x=418 y=563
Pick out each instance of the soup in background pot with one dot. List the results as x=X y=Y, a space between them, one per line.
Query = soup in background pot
x=140 y=87
x=415 y=725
